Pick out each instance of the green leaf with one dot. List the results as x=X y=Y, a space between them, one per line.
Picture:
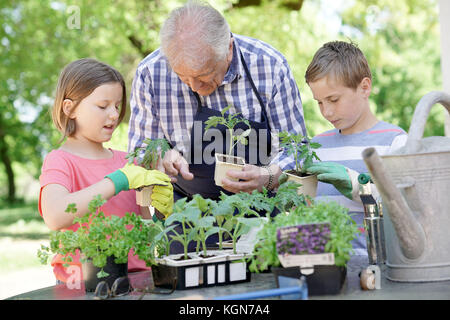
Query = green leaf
x=206 y=222
x=102 y=274
x=212 y=231
x=71 y=208
x=246 y=133
x=192 y=214
x=225 y=110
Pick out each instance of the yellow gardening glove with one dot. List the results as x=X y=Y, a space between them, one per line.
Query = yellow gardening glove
x=133 y=177
x=162 y=199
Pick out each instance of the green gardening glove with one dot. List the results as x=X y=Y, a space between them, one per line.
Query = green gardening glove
x=335 y=174
x=133 y=177
x=162 y=199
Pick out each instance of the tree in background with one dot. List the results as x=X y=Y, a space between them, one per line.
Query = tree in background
x=401 y=40
x=38 y=38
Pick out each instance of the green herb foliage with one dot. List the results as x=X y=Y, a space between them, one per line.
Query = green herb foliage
x=343 y=231
x=99 y=237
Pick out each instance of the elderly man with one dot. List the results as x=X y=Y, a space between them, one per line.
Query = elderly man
x=200 y=69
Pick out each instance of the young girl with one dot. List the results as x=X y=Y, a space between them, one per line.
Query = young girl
x=89 y=105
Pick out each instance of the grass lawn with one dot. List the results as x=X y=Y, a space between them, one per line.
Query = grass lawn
x=22 y=231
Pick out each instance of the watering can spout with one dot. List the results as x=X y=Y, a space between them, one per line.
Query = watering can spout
x=409 y=231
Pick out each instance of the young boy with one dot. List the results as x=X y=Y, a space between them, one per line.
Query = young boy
x=341 y=82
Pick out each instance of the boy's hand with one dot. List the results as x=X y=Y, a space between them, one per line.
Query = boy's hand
x=133 y=177
x=335 y=174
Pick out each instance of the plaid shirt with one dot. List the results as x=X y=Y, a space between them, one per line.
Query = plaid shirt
x=162 y=106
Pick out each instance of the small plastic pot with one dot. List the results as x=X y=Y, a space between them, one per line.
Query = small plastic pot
x=308 y=184
x=325 y=280
x=115 y=270
x=223 y=164
x=143 y=196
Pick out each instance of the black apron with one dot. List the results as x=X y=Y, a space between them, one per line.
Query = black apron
x=203 y=182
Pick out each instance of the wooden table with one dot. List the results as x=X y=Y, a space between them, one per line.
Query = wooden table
x=262 y=281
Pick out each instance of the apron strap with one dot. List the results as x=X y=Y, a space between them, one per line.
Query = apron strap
x=247 y=72
x=261 y=103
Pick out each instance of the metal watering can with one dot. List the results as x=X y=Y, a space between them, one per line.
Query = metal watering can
x=414 y=184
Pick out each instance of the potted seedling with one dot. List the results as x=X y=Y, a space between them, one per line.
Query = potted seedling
x=191 y=221
x=103 y=243
x=285 y=199
x=243 y=217
x=225 y=162
x=154 y=149
x=322 y=226
x=237 y=225
x=203 y=226
x=302 y=149
x=178 y=229
x=195 y=221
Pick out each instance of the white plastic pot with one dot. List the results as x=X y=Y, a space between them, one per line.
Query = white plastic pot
x=223 y=164
x=143 y=196
x=308 y=184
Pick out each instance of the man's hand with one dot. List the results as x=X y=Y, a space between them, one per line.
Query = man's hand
x=254 y=178
x=175 y=164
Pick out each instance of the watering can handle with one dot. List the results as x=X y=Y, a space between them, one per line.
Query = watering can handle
x=420 y=116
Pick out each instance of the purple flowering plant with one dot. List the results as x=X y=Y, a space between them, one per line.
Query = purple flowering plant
x=335 y=239
x=303 y=239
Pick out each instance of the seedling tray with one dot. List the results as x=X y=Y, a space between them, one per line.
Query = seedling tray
x=200 y=275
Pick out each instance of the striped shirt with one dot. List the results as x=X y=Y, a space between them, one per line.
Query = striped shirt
x=163 y=106
x=347 y=150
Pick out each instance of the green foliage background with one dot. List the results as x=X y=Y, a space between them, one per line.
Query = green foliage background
x=400 y=39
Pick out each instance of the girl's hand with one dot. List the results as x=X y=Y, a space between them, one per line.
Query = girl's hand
x=162 y=199
x=133 y=177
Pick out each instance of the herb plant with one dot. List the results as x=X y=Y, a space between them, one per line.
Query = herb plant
x=308 y=239
x=301 y=148
x=343 y=230
x=99 y=237
x=230 y=122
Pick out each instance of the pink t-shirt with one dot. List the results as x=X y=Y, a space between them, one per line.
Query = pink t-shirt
x=76 y=173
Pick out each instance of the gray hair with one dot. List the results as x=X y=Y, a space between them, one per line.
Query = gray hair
x=194 y=34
